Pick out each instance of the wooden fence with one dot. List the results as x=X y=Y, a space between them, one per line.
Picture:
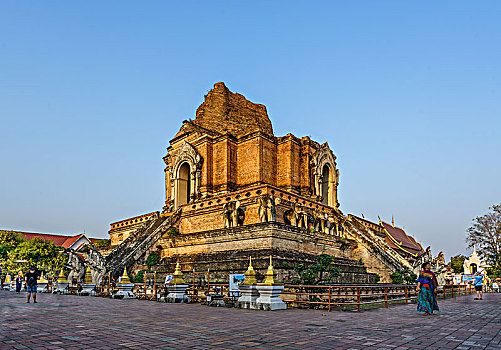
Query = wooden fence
x=355 y=297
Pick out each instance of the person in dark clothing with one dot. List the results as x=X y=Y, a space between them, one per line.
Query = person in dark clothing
x=19 y=282
x=31 y=284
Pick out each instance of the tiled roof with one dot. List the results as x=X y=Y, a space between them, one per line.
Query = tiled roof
x=71 y=240
x=59 y=240
x=398 y=239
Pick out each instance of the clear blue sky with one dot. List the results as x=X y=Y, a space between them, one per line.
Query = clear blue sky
x=407 y=95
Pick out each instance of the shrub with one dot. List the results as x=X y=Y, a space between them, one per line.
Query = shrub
x=102 y=243
x=139 y=278
x=173 y=231
x=152 y=259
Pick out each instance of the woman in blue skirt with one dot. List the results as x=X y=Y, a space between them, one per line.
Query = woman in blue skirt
x=427 y=289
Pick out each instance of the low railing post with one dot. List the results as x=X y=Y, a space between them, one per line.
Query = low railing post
x=386 y=297
x=330 y=298
x=358 y=299
x=406 y=295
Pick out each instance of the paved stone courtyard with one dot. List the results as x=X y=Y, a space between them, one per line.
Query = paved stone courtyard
x=71 y=322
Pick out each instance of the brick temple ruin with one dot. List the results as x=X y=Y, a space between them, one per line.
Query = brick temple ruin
x=233 y=190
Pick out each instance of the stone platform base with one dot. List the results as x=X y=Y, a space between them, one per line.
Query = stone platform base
x=269 y=298
x=221 y=264
x=177 y=294
x=248 y=298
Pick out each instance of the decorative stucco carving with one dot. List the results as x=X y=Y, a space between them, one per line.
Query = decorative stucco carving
x=324 y=156
x=232 y=214
x=267 y=209
x=186 y=154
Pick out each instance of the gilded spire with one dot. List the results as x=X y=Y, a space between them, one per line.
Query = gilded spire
x=88 y=276
x=62 y=278
x=250 y=274
x=42 y=279
x=125 y=277
x=392 y=221
x=269 y=279
x=178 y=275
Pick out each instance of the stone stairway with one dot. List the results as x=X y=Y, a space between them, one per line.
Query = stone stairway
x=138 y=243
x=378 y=247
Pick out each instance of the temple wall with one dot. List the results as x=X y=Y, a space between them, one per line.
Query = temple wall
x=251 y=237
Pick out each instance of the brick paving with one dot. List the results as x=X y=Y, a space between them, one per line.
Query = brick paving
x=72 y=322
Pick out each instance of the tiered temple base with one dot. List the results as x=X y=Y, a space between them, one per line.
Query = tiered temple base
x=124 y=291
x=269 y=298
x=87 y=289
x=222 y=264
x=177 y=294
x=248 y=298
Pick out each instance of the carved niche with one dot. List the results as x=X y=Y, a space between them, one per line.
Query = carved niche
x=187 y=154
x=325 y=175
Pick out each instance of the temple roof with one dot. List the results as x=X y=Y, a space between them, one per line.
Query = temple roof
x=224 y=111
x=59 y=240
x=398 y=239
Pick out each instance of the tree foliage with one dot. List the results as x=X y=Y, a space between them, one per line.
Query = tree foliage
x=321 y=272
x=139 y=277
x=37 y=252
x=9 y=240
x=457 y=263
x=403 y=276
x=102 y=243
x=485 y=233
x=152 y=259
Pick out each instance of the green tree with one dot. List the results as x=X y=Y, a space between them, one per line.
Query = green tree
x=321 y=272
x=152 y=259
x=37 y=252
x=396 y=277
x=485 y=233
x=401 y=276
x=102 y=243
x=457 y=263
x=139 y=277
x=9 y=240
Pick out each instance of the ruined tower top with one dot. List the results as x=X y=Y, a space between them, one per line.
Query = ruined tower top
x=225 y=111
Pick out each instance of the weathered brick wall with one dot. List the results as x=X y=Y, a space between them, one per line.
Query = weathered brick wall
x=224 y=111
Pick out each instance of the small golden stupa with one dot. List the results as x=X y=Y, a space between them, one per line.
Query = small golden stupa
x=61 y=278
x=177 y=276
x=125 y=277
x=42 y=279
x=88 y=276
x=7 y=279
x=269 y=279
x=250 y=275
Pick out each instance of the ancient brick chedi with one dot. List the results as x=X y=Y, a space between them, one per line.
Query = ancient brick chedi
x=237 y=190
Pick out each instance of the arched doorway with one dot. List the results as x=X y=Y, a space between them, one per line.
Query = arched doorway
x=473 y=268
x=326 y=185
x=183 y=184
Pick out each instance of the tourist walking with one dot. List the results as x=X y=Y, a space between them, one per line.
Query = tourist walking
x=427 y=289
x=478 y=281
x=19 y=282
x=495 y=286
x=31 y=284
